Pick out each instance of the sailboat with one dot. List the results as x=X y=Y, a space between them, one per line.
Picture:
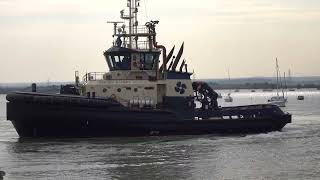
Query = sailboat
x=278 y=100
x=228 y=98
x=290 y=81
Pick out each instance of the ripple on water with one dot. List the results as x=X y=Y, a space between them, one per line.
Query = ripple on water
x=293 y=153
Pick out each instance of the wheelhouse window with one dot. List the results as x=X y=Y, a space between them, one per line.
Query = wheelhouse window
x=148 y=61
x=119 y=62
x=122 y=61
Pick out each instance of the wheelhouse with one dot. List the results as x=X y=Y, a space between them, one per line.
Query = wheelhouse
x=120 y=58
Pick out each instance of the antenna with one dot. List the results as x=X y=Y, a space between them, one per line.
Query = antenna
x=277 y=71
x=130 y=34
x=193 y=75
x=115 y=23
x=132 y=17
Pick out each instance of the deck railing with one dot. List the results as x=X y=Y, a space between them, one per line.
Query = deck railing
x=93 y=76
x=139 y=45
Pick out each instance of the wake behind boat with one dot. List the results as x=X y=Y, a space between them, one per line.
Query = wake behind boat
x=138 y=97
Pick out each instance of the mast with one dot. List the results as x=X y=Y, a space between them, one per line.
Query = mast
x=277 y=71
x=130 y=22
x=132 y=17
x=281 y=85
x=131 y=35
x=285 y=84
x=229 y=81
x=289 y=77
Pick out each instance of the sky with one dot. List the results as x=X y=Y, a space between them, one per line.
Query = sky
x=47 y=40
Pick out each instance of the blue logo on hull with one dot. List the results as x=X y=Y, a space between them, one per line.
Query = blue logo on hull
x=180 y=88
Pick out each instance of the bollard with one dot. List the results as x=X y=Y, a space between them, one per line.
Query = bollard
x=2 y=173
x=34 y=87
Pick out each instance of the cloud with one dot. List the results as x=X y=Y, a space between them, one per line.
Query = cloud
x=44 y=7
x=221 y=11
x=242 y=11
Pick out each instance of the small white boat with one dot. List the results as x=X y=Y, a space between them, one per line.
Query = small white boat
x=228 y=98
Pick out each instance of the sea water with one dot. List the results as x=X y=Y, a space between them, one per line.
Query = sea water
x=293 y=153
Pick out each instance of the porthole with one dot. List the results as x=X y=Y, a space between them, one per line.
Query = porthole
x=119 y=90
x=135 y=89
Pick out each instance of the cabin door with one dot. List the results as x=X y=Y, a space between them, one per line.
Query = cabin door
x=161 y=92
x=135 y=63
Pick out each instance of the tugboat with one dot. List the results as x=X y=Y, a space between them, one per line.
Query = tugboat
x=139 y=96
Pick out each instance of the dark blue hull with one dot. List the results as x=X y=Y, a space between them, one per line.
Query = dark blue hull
x=47 y=119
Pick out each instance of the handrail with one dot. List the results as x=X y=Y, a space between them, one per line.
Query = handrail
x=93 y=76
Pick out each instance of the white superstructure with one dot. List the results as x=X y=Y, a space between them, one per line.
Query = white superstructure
x=136 y=77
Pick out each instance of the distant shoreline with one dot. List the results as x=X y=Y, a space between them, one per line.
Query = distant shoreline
x=252 y=83
x=44 y=89
x=261 y=86
x=214 y=85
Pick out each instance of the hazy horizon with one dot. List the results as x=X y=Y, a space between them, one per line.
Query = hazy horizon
x=43 y=40
x=261 y=79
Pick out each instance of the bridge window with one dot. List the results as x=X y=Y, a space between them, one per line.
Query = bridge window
x=148 y=60
x=122 y=61
x=118 y=62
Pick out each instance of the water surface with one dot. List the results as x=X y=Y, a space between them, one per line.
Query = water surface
x=293 y=153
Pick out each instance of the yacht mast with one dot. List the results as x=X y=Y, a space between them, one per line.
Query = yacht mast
x=284 y=89
x=277 y=70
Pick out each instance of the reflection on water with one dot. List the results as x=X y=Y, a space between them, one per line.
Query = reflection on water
x=293 y=153
x=146 y=158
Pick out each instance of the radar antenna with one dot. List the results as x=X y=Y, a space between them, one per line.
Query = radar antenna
x=115 y=24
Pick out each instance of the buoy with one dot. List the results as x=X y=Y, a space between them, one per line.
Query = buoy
x=300 y=98
x=34 y=87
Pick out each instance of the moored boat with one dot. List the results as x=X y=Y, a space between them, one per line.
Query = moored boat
x=137 y=97
x=278 y=100
x=300 y=98
x=228 y=98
